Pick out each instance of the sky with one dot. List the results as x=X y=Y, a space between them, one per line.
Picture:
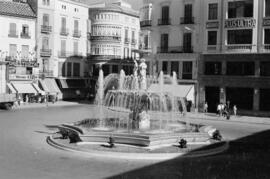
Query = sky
x=136 y=4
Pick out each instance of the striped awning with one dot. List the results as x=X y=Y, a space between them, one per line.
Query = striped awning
x=49 y=85
x=38 y=89
x=11 y=88
x=26 y=88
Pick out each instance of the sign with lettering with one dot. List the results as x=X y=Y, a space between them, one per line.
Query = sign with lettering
x=240 y=23
x=212 y=25
x=266 y=22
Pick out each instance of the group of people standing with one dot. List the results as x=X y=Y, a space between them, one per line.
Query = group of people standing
x=223 y=109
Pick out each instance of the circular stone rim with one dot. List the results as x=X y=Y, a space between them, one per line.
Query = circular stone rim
x=138 y=156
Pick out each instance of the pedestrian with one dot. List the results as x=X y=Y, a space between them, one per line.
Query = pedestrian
x=205 y=107
x=219 y=109
x=235 y=110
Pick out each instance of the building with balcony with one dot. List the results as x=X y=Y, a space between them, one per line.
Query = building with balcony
x=18 y=42
x=62 y=29
x=235 y=62
x=170 y=39
x=114 y=37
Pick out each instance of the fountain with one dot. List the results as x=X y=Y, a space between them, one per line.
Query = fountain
x=136 y=113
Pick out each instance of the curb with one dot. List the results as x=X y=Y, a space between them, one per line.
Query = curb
x=138 y=156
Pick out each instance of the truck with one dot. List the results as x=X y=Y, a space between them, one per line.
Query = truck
x=6 y=100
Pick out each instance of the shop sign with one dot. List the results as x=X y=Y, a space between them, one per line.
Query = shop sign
x=240 y=23
x=266 y=22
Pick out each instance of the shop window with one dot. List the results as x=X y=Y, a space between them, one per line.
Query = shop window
x=264 y=100
x=241 y=97
x=212 y=11
x=238 y=9
x=212 y=68
x=187 y=70
x=241 y=68
x=165 y=67
x=115 y=68
x=212 y=37
x=265 y=68
x=240 y=36
x=69 y=69
x=175 y=68
x=267 y=8
x=76 y=69
x=267 y=36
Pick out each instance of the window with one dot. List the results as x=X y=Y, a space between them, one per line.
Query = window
x=145 y=41
x=187 y=70
x=165 y=12
x=63 y=23
x=212 y=11
x=165 y=67
x=75 y=47
x=241 y=68
x=48 y=2
x=240 y=36
x=46 y=19
x=212 y=68
x=266 y=36
x=76 y=25
x=61 y=69
x=45 y=43
x=69 y=69
x=63 y=47
x=25 y=30
x=267 y=8
x=126 y=33
x=13 y=50
x=188 y=11
x=265 y=68
x=187 y=43
x=175 y=67
x=164 y=42
x=133 y=35
x=212 y=37
x=12 y=29
x=76 y=69
x=44 y=2
x=25 y=51
x=238 y=9
x=64 y=7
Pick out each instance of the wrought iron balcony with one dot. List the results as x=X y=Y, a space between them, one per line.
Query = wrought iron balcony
x=77 y=33
x=64 y=31
x=187 y=20
x=146 y=23
x=127 y=40
x=13 y=34
x=45 y=52
x=176 y=49
x=164 y=21
x=46 y=29
x=105 y=38
x=25 y=35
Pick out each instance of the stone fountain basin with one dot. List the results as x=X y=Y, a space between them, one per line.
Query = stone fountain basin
x=145 y=139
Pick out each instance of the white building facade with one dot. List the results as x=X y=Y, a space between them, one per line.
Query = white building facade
x=114 y=37
x=171 y=38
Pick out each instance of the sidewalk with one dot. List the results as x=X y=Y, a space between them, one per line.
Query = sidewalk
x=244 y=119
x=44 y=105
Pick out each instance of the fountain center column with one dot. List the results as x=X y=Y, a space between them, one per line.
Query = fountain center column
x=143 y=68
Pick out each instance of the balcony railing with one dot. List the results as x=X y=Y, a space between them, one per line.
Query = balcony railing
x=13 y=34
x=265 y=48
x=133 y=41
x=25 y=35
x=239 y=47
x=187 y=20
x=176 y=49
x=106 y=38
x=164 y=21
x=45 y=73
x=77 y=33
x=146 y=23
x=127 y=40
x=64 y=31
x=102 y=56
x=65 y=54
x=45 y=52
x=46 y=29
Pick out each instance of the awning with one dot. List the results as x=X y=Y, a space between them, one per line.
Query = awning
x=38 y=89
x=49 y=85
x=72 y=83
x=11 y=88
x=24 y=88
x=183 y=91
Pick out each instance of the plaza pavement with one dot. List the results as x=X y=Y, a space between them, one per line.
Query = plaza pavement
x=192 y=115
